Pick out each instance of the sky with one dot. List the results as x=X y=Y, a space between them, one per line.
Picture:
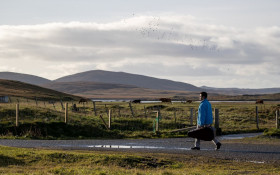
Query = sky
x=216 y=43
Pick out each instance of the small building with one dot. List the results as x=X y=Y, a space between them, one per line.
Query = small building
x=4 y=99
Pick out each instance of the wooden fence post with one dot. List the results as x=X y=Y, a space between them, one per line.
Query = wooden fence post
x=94 y=108
x=130 y=106
x=277 y=118
x=159 y=111
x=216 y=118
x=191 y=116
x=145 y=111
x=119 y=112
x=85 y=112
x=217 y=122
x=175 y=115
x=66 y=112
x=109 y=115
x=17 y=114
x=54 y=107
x=157 y=121
x=257 y=117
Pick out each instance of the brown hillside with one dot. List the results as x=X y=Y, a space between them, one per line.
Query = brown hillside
x=26 y=78
x=128 y=79
x=19 y=89
x=119 y=91
x=112 y=91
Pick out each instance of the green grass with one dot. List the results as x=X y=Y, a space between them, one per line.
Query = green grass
x=272 y=132
x=46 y=121
x=38 y=161
x=259 y=140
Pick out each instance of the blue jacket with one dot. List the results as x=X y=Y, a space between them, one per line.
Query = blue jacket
x=205 y=116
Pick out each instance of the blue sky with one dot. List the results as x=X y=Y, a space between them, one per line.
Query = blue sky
x=214 y=43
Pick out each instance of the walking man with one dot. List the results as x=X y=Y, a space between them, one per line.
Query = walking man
x=204 y=119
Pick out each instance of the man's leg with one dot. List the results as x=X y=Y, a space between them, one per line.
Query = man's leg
x=196 y=144
x=217 y=143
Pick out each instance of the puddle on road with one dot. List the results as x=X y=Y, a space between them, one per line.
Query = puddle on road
x=129 y=147
x=125 y=147
x=141 y=147
x=257 y=162
x=135 y=146
x=132 y=147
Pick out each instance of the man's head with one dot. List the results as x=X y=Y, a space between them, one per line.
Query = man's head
x=203 y=95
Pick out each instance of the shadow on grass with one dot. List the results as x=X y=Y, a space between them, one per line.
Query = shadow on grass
x=6 y=161
x=56 y=130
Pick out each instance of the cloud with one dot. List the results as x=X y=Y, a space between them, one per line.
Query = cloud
x=165 y=46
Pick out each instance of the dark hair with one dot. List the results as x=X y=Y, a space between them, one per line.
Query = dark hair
x=203 y=94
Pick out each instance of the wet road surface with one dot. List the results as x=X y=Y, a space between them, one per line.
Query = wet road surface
x=256 y=153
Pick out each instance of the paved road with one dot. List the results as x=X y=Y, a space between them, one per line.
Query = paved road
x=257 y=153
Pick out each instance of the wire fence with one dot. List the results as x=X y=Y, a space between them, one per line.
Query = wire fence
x=126 y=116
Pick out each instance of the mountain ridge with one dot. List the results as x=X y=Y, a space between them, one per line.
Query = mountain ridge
x=127 y=80
x=17 y=89
x=14 y=88
x=242 y=91
x=26 y=78
x=97 y=90
x=141 y=81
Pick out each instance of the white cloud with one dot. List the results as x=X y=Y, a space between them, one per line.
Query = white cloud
x=8 y=69
x=175 y=47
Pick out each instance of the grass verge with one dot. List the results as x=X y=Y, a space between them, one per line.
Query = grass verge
x=272 y=132
x=38 y=161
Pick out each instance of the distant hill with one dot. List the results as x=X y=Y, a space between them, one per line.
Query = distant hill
x=118 y=91
x=13 y=88
x=128 y=79
x=81 y=87
x=115 y=91
x=31 y=79
x=238 y=91
x=265 y=97
x=106 y=84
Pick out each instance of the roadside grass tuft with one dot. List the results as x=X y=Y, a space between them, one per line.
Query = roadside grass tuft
x=272 y=132
x=40 y=161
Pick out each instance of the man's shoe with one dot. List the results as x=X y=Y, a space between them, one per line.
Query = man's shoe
x=195 y=148
x=218 y=145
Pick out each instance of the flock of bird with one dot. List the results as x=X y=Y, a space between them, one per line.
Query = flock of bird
x=155 y=29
